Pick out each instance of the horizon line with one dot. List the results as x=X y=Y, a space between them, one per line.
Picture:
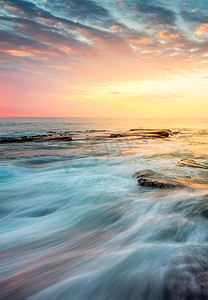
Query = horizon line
x=106 y=117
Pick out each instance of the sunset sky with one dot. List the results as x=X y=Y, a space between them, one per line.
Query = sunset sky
x=104 y=58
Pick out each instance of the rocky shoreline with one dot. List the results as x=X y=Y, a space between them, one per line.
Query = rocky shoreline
x=36 y=138
x=133 y=134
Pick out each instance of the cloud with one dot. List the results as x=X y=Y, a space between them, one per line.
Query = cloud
x=63 y=11
x=153 y=11
x=202 y=30
x=194 y=12
x=45 y=33
x=81 y=9
x=9 y=39
x=167 y=34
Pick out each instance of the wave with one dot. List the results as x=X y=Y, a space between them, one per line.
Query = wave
x=76 y=225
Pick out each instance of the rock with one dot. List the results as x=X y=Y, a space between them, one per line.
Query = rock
x=116 y=135
x=159 y=184
x=146 y=173
x=165 y=132
x=191 y=163
x=204 y=212
x=187 y=278
x=59 y=138
x=149 y=178
x=36 y=138
x=134 y=134
x=93 y=130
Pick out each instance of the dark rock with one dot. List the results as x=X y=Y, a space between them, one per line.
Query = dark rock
x=164 y=133
x=187 y=278
x=204 y=212
x=135 y=134
x=116 y=135
x=191 y=163
x=93 y=130
x=149 y=178
x=59 y=138
x=147 y=174
x=36 y=138
x=160 y=184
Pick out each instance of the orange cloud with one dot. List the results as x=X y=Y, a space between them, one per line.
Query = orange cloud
x=120 y=2
x=167 y=35
x=11 y=8
x=202 y=30
x=17 y=52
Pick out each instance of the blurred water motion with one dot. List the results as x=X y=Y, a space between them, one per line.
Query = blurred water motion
x=75 y=224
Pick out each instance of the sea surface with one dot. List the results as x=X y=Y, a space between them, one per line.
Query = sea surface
x=75 y=225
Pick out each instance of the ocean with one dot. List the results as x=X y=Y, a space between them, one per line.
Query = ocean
x=76 y=225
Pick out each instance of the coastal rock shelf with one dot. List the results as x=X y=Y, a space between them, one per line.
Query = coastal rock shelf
x=36 y=138
x=143 y=134
x=132 y=134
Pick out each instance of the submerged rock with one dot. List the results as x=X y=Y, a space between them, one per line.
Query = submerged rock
x=204 y=212
x=187 y=278
x=191 y=163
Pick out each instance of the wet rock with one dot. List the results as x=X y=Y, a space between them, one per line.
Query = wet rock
x=187 y=278
x=93 y=130
x=149 y=178
x=204 y=212
x=136 y=134
x=116 y=135
x=36 y=138
x=164 y=133
x=159 y=184
x=59 y=138
x=191 y=163
x=147 y=174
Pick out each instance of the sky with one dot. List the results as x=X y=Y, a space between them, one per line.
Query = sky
x=104 y=58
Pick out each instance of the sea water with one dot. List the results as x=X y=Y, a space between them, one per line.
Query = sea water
x=74 y=224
